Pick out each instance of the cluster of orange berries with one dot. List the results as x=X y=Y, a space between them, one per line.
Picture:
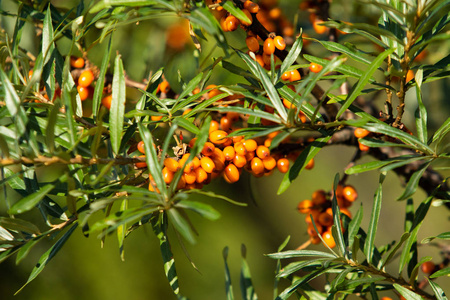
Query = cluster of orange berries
x=319 y=209
x=313 y=7
x=85 y=80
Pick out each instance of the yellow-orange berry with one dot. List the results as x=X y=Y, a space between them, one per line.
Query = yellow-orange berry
x=164 y=86
x=252 y=43
x=325 y=219
x=305 y=206
x=249 y=16
x=239 y=160
x=329 y=239
x=250 y=145
x=310 y=164
x=200 y=175
x=140 y=147
x=249 y=156
x=231 y=23
x=269 y=46
x=279 y=42
x=259 y=59
x=257 y=165
x=84 y=92
x=231 y=173
x=428 y=267
x=318 y=28
x=225 y=123
x=229 y=152
x=76 y=62
x=167 y=175
x=251 y=6
x=349 y=193
x=315 y=68
x=361 y=133
x=218 y=137
x=106 y=101
x=286 y=75
x=141 y=165
x=240 y=149
x=171 y=164
x=207 y=164
x=86 y=78
x=295 y=75
x=363 y=147
x=262 y=152
x=319 y=197
x=346 y=212
x=213 y=126
x=208 y=149
x=288 y=104
x=190 y=177
x=156 y=118
x=283 y=165
x=269 y=163
x=410 y=75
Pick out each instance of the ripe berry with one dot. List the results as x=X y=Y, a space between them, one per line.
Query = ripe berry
x=252 y=43
x=231 y=23
x=164 y=86
x=106 y=101
x=86 y=78
x=329 y=239
x=279 y=42
x=305 y=206
x=250 y=145
x=170 y=163
x=269 y=163
x=140 y=147
x=208 y=149
x=257 y=165
x=249 y=16
x=315 y=68
x=207 y=164
x=409 y=75
x=259 y=59
x=325 y=219
x=363 y=147
x=231 y=173
x=283 y=165
x=428 y=267
x=218 y=137
x=319 y=29
x=200 y=175
x=345 y=212
x=167 y=175
x=156 y=118
x=76 y=62
x=84 y=92
x=262 y=152
x=251 y=6
x=386 y=298
x=249 y=156
x=310 y=164
x=141 y=165
x=190 y=177
x=361 y=133
x=350 y=193
x=286 y=75
x=213 y=126
x=229 y=152
x=269 y=46
x=240 y=149
x=288 y=104
x=225 y=123
x=295 y=75
x=239 y=160
x=319 y=197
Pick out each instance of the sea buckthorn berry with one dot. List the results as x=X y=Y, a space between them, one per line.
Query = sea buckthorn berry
x=288 y=104
x=385 y=298
x=156 y=118
x=240 y=149
x=283 y=165
x=305 y=207
x=363 y=148
x=213 y=92
x=141 y=165
x=268 y=142
x=167 y=175
x=181 y=183
x=273 y=134
x=237 y=138
x=251 y=6
x=315 y=68
x=286 y=75
x=329 y=239
x=310 y=164
x=208 y=149
x=231 y=23
x=190 y=177
x=259 y=59
x=83 y=92
x=106 y=101
x=361 y=133
x=315 y=215
x=164 y=86
x=257 y=165
x=249 y=16
x=218 y=137
x=325 y=219
x=252 y=43
x=275 y=13
x=225 y=123
x=233 y=116
x=315 y=239
x=152 y=187
x=231 y=173
x=318 y=28
x=183 y=160
x=200 y=175
x=428 y=267
x=213 y=126
x=319 y=197
x=239 y=160
x=196 y=162
x=86 y=78
x=207 y=164
x=223 y=23
x=269 y=46
x=229 y=152
x=279 y=42
x=409 y=75
x=350 y=193
x=76 y=62
x=250 y=145
x=192 y=142
x=295 y=76
x=345 y=212
x=249 y=156
x=312 y=231
x=269 y=163
x=170 y=163
x=262 y=152
x=140 y=147
x=219 y=155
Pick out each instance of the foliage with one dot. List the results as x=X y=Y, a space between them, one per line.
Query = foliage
x=106 y=186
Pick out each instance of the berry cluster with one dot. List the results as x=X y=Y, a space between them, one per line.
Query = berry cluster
x=319 y=209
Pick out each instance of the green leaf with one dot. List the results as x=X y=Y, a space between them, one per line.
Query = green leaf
x=441 y=132
x=25 y=249
x=350 y=51
x=307 y=154
x=394 y=250
x=19 y=225
x=231 y=8
x=181 y=224
x=364 y=80
x=27 y=203
x=121 y=230
x=300 y=253
x=247 y=111
x=293 y=54
x=98 y=91
x=443 y=236
x=373 y=165
x=441 y=272
x=353 y=227
x=299 y=265
x=350 y=285
x=408 y=294
x=336 y=228
x=260 y=73
x=213 y=195
x=117 y=110
x=370 y=240
x=247 y=289
x=203 y=209
x=47 y=256
x=188 y=125
x=228 y=286
x=438 y=291
x=421 y=113
x=191 y=86
x=413 y=182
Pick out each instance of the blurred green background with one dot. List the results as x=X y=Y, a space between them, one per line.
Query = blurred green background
x=84 y=270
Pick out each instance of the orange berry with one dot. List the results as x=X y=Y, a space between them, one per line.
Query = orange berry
x=262 y=152
x=84 y=92
x=289 y=104
x=167 y=175
x=249 y=16
x=141 y=165
x=409 y=75
x=239 y=160
x=219 y=159
x=346 y=212
x=231 y=173
x=213 y=92
x=361 y=133
x=269 y=163
x=329 y=239
x=315 y=215
x=190 y=177
x=156 y=118
x=325 y=219
x=208 y=149
x=252 y=43
x=315 y=239
x=140 y=147
x=268 y=142
x=269 y=46
x=286 y=75
x=86 y=78
x=240 y=149
x=164 y=86
x=233 y=116
x=428 y=267
x=213 y=126
x=251 y=6
x=218 y=137
x=225 y=123
x=200 y=175
x=170 y=163
x=229 y=152
x=250 y=145
x=295 y=75
x=207 y=164
x=192 y=142
x=231 y=23
x=152 y=187
x=310 y=164
x=283 y=165
x=319 y=29
x=279 y=42
x=237 y=138
x=181 y=183
x=386 y=298
x=106 y=101
x=305 y=206
x=259 y=59
x=76 y=62
x=275 y=13
x=363 y=147
x=315 y=68
x=249 y=156
x=349 y=193
x=257 y=165
x=196 y=162
x=319 y=197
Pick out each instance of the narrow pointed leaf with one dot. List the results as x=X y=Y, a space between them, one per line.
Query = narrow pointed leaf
x=247 y=289
x=293 y=54
x=354 y=226
x=442 y=272
x=413 y=182
x=231 y=8
x=408 y=294
x=438 y=291
x=300 y=253
x=117 y=111
x=98 y=91
x=181 y=224
x=421 y=112
x=203 y=209
x=228 y=286
x=121 y=230
x=30 y=201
